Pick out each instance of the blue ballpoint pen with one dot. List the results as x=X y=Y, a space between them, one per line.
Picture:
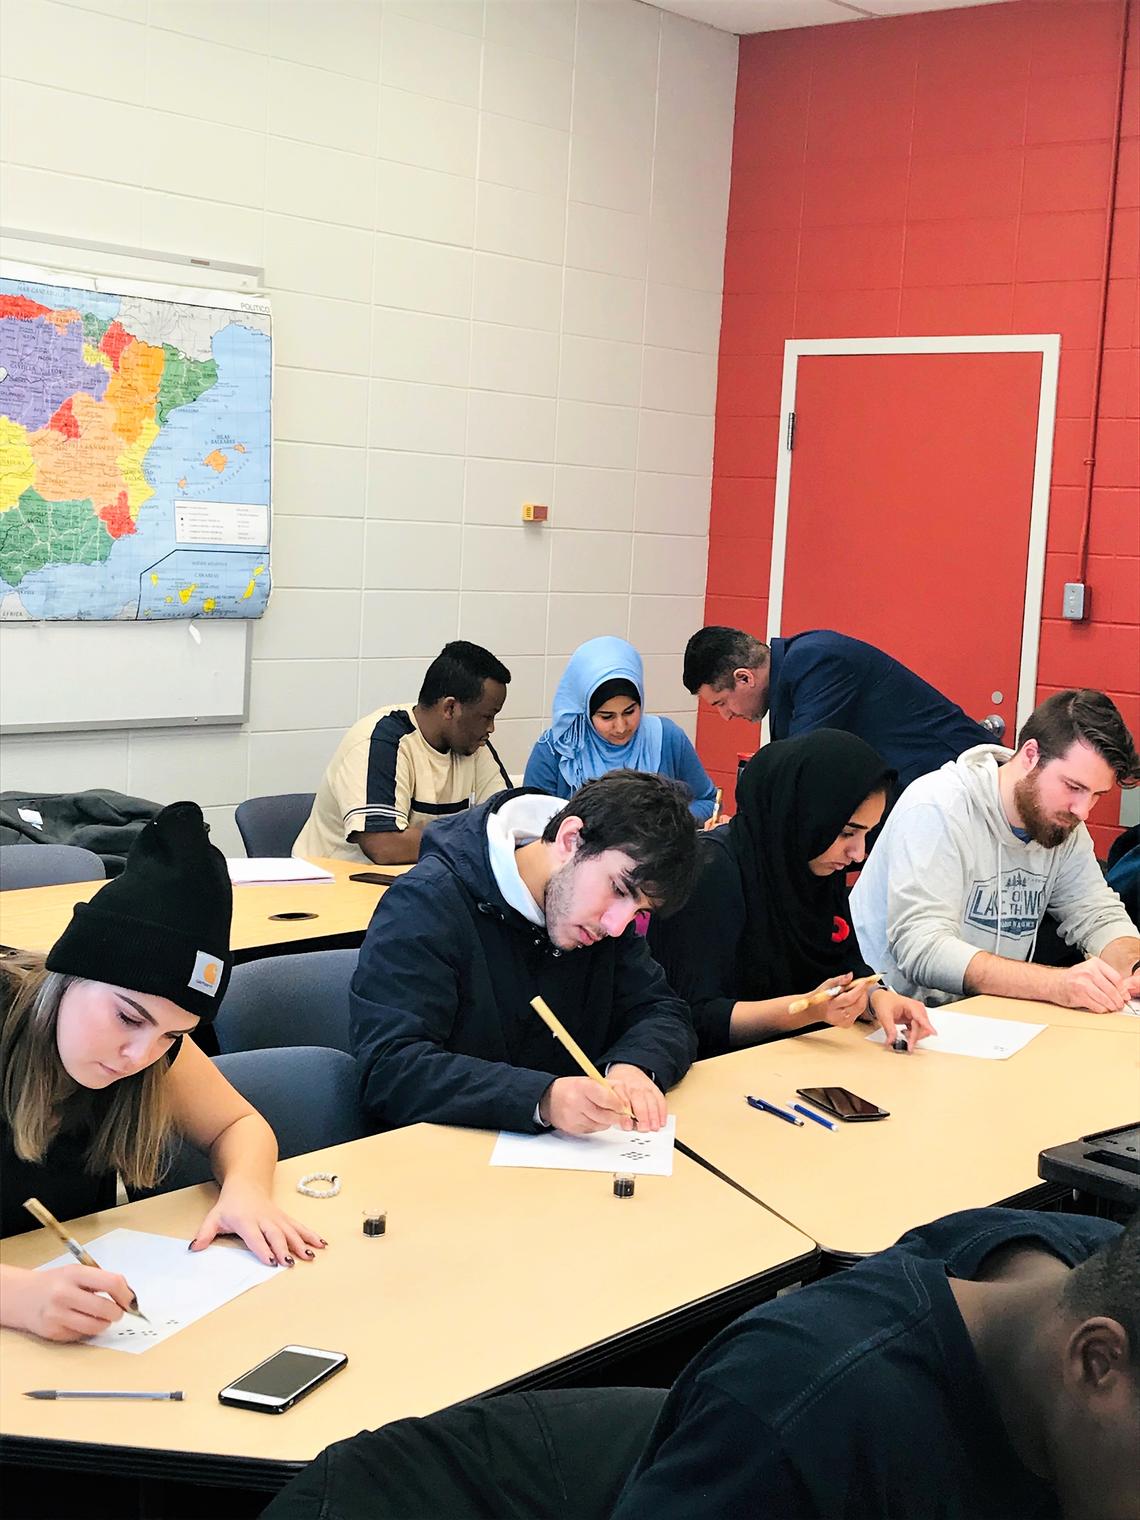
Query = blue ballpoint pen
x=780 y=1113
x=819 y=1119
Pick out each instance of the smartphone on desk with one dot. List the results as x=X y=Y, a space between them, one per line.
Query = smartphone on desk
x=275 y=1384
x=376 y=878
x=843 y=1104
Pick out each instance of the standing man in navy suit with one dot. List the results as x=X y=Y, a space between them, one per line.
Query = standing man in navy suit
x=823 y=679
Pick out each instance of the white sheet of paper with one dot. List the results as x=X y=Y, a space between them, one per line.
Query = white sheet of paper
x=1132 y=1008
x=966 y=1034
x=174 y=1288
x=266 y=870
x=609 y=1150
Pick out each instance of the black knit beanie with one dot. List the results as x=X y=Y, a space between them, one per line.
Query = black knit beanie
x=163 y=926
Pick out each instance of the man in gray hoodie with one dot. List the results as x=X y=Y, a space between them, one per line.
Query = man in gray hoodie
x=951 y=898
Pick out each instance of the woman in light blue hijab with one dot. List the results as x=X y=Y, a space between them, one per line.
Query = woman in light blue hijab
x=599 y=725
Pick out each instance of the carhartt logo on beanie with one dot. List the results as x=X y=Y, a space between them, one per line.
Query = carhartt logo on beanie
x=163 y=926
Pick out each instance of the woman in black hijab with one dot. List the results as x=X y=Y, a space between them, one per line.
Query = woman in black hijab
x=768 y=921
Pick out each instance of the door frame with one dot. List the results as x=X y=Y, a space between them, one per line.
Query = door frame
x=1048 y=345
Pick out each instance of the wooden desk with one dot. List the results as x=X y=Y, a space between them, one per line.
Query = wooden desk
x=1025 y=1012
x=33 y=918
x=487 y=1278
x=962 y=1133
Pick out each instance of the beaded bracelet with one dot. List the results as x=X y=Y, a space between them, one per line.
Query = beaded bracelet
x=306 y=1185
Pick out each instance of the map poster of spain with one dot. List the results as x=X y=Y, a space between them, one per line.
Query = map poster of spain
x=135 y=449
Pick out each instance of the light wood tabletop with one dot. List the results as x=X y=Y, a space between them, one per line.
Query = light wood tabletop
x=1025 y=1012
x=487 y=1276
x=33 y=918
x=962 y=1132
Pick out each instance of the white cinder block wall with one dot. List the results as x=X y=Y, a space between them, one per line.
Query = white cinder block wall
x=493 y=231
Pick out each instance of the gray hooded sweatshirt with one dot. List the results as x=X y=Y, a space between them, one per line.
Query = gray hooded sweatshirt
x=949 y=877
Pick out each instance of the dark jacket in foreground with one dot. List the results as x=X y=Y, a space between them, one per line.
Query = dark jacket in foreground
x=441 y=1021
x=859 y=1397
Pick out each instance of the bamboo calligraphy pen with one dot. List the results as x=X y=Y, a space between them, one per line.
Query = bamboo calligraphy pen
x=802 y=1003
x=45 y=1217
x=563 y=1035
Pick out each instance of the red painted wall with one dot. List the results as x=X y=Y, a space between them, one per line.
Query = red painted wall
x=934 y=174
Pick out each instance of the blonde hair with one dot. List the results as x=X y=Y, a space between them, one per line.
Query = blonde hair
x=35 y=1089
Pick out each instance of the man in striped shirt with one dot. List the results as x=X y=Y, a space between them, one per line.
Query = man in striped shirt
x=403 y=766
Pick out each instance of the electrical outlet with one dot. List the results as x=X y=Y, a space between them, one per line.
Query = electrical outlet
x=1075 y=601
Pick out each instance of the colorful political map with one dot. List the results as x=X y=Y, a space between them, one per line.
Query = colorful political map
x=135 y=443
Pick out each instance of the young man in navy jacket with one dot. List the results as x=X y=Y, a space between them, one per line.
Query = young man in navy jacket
x=524 y=896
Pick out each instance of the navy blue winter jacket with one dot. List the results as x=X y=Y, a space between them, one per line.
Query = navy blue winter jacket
x=441 y=1022
x=823 y=679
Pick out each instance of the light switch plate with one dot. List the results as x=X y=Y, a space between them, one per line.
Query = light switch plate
x=1075 y=601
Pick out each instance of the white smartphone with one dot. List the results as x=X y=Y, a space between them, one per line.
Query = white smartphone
x=275 y=1384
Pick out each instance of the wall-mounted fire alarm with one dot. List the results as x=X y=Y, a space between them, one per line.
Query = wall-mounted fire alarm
x=534 y=511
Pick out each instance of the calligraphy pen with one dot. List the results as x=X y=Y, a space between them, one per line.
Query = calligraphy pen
x=45 y=1217
x=563 y=1035
x=802 y=1003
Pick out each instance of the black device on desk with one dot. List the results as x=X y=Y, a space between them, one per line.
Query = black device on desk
x=843 y=1104
x=1106 y=1164
x=275 y=1385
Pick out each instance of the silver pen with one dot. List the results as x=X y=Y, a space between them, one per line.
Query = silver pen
x=99 y=1393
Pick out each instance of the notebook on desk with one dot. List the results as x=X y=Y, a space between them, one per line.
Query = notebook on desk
x=271 y=871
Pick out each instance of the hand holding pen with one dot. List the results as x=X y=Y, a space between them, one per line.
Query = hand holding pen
x=66 y=1303
x=713 y=821
x=838 y=1001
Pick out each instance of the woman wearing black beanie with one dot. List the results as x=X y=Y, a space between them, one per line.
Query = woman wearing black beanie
x=95 y=1075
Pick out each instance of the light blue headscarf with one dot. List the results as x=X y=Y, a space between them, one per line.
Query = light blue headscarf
x=581 y=750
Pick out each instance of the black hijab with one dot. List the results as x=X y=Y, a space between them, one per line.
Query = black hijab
x=792 y=801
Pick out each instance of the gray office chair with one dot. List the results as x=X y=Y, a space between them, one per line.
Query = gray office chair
x=287 y=1000
x=269 y=825
x=47 y=865
x=306 y=1094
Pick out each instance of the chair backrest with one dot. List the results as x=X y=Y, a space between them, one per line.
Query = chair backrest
x=307 y=1095
x=47 y=865
x=269 y=825
x=288 y=1000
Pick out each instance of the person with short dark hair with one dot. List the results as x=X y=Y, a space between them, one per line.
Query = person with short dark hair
x=769 y=917
x=972 y=857
x=600 y=724
x=987 y=1365
x=822 y=679
x=528 y=896
x=402 y=767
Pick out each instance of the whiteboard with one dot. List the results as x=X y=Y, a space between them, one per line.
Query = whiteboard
x=169 y=674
